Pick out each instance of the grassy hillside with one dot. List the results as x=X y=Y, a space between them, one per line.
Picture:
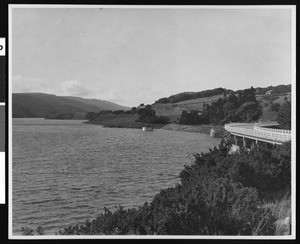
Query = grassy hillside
x=40 y=105
x=267 y=101
x=174 y=110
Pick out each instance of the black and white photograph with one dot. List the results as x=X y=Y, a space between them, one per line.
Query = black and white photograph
x=131 y=121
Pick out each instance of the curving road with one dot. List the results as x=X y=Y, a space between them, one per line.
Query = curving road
x=259 y=132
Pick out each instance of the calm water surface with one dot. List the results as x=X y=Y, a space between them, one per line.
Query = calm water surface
x=65 y=172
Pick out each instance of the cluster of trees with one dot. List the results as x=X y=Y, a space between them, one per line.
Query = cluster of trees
x=147 y=115
x=284 y=115
x=219 y=194
x=192 y=95
x=192 y=118
x=242 y=107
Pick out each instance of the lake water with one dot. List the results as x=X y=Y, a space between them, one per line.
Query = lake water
x=65 y=172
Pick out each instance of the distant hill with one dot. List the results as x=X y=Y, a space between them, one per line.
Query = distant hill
x=41 y=105
x=183 y=96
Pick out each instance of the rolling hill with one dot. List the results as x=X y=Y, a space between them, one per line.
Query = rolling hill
x=41 y=105
x=174 y=110
x=173 y=105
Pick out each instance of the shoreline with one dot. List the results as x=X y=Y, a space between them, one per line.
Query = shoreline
x=203 y=129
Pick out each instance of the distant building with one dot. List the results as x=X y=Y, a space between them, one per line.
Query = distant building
x=269 y=92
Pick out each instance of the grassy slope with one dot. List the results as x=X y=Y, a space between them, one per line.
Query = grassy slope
x=174 y=110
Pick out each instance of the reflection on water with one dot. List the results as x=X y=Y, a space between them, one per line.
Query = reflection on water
x=65 y=172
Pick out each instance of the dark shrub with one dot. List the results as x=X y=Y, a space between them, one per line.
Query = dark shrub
x=275 y=107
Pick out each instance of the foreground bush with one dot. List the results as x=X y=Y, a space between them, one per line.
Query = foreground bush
x=219 y=194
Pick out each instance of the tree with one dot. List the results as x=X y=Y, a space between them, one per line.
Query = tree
x=147 y=115
x=249 y=111
x=247 y=95
x=275 y=107
x=191 y=118
x=230 y=108
x=163 y=100
x=161 y=120
x=284 y=115
x=216 y=113
x=133 y=110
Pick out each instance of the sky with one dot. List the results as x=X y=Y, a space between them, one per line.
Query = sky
x=132 y=56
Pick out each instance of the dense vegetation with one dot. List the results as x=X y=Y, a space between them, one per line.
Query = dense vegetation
x=235 y=108
x=219 y=194
x=284 y=115
x=147 y=115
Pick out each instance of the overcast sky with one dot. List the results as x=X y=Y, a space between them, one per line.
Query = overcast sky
x=133 y=56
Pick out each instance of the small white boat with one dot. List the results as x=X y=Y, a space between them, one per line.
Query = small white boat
x=147 y=128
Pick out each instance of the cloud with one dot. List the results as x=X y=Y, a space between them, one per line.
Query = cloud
x=30 y=84
x=65 y=88
x=75 y=88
